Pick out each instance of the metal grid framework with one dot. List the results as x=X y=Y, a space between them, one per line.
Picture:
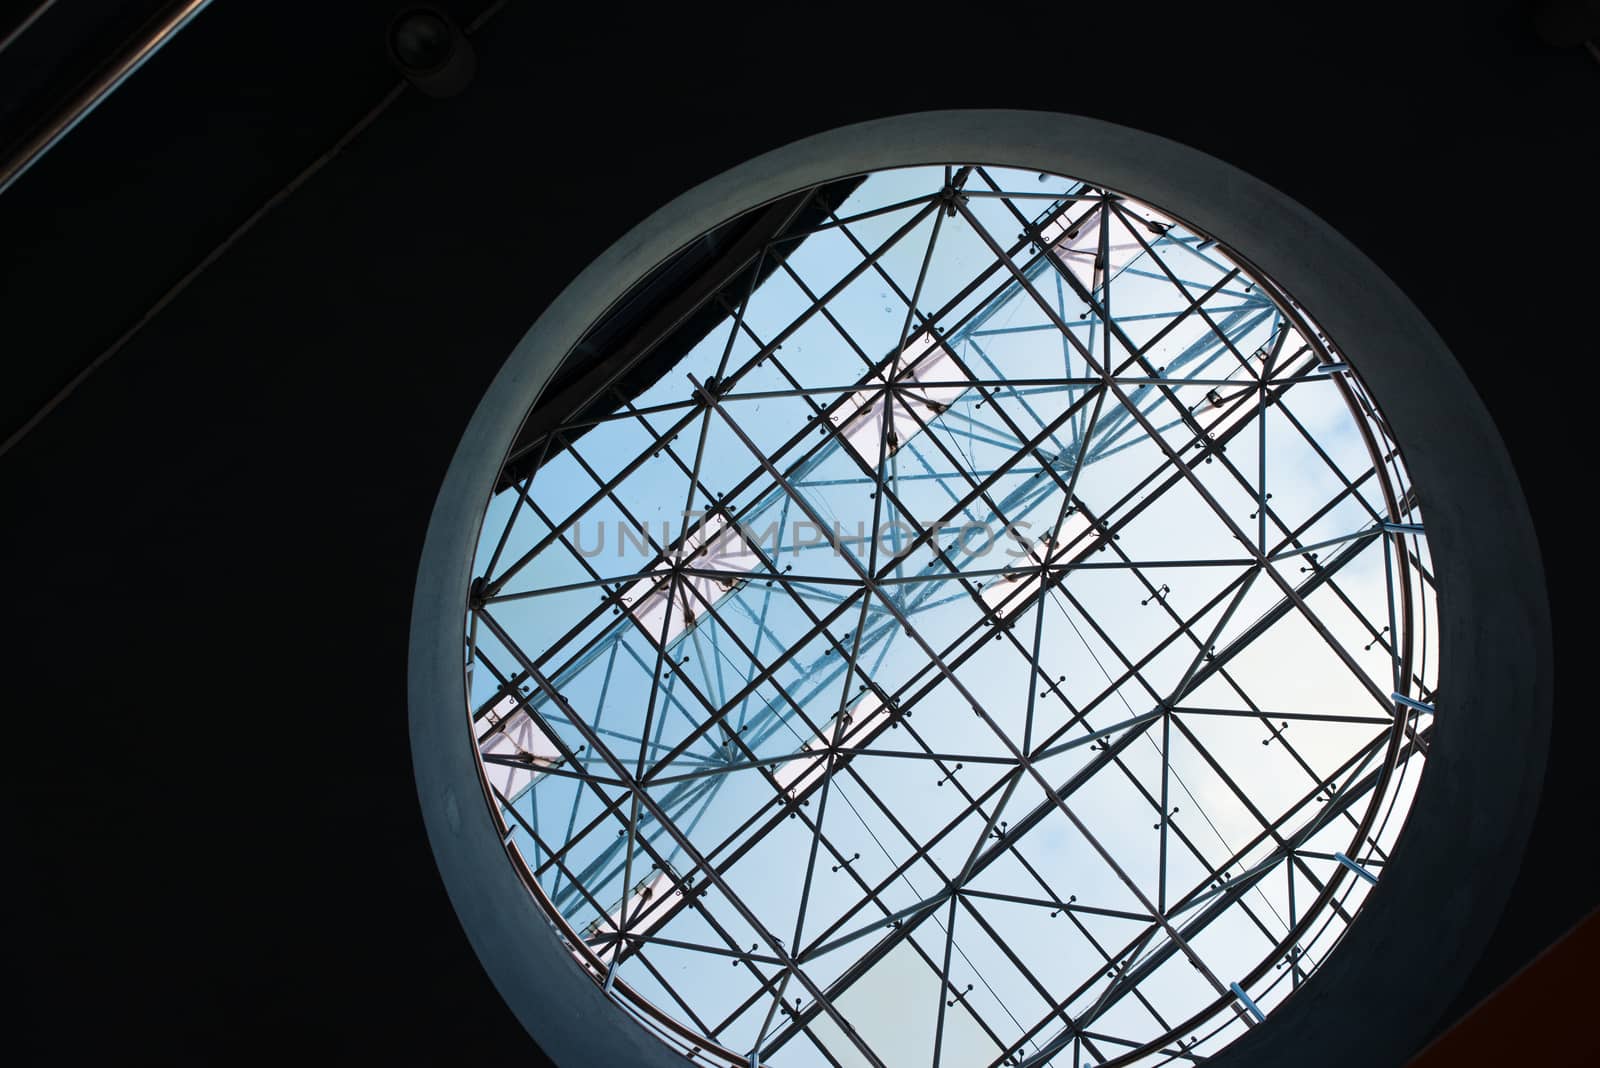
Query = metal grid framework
x=1006 y=639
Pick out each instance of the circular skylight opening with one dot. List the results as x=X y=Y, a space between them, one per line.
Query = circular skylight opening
x=952 y=614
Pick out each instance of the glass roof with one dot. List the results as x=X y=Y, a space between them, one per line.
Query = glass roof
x=1006 y=639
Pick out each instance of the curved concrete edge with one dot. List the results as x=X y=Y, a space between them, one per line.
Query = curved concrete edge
x=1424 y=924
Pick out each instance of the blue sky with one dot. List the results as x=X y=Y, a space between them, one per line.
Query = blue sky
x=1289 y=669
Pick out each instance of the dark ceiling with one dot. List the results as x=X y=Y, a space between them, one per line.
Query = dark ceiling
x=210 y=545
